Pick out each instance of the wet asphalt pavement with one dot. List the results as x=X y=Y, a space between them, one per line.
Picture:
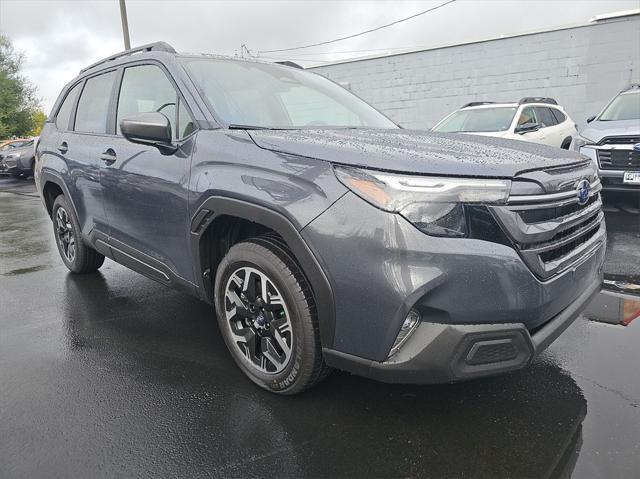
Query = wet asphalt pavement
x=114 y=375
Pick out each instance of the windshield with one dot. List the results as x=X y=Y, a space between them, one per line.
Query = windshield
x=478 y=120
x=623 y=107
x=272 y=96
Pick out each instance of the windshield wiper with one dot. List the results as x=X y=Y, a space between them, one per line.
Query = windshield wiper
x=233 y=126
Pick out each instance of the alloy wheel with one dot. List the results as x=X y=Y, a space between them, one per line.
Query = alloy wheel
x=258 y=319
x=65 y=236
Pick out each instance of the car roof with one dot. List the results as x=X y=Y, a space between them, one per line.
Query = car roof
x=512 y=105
x=164 y=51
x=489 y=105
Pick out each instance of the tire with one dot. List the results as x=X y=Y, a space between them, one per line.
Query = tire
x=290 y=308
x=77 y=256
x=566 y=143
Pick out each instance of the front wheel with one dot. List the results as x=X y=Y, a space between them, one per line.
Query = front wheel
x=77 y=256
x=267 y=316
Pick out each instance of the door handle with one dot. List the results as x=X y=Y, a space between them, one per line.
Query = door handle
x=109 y=156
x=63 y=147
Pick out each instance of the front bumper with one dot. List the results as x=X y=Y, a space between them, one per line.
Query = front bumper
x=11 y=165
x=611 y=179
x=441 y=353
x=380 y=266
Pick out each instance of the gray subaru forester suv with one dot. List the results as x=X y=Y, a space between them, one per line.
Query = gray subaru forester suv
x=612 y=140
x=325 y=235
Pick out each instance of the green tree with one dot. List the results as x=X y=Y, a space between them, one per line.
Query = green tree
x=18 y=103
x=39 y=119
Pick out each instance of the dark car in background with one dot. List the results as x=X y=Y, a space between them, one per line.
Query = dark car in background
x=324 y=234
x=18 y=158
x=612 y=140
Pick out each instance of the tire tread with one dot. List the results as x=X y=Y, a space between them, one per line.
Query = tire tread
x=275 y=251
x=87 y=260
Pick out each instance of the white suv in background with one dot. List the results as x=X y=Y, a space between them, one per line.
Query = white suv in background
x=539 y=120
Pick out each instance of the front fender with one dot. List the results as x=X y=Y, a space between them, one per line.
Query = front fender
x=231 y=176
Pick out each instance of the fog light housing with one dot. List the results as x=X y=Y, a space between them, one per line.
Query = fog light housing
x=406 y=330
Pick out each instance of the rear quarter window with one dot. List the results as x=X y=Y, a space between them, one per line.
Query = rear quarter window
x=64 y=113
x=560 y=117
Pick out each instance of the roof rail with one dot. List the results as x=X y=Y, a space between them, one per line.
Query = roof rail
x=478 y=103
x=149 y=47
x=290 y=64
x=537 y=99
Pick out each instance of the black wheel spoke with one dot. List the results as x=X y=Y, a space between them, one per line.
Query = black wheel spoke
x=250 y=287
x=65 y=235
x=269 y=351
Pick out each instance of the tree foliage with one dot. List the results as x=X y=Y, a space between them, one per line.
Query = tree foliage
x=19 y=107
x=39 y=119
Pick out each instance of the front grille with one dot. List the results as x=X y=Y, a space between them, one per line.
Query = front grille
x=620 y=140
x=548 y=214
x=619 y=159
x=553 y=231
x=567 y=248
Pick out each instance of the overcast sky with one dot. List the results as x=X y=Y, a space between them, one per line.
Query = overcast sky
x=61 y=37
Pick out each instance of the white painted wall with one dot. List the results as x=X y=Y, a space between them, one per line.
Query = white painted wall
x=581 y=67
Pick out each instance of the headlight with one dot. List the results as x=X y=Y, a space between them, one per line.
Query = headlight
x=13 y=156
x=580 y=141
x=435 y=205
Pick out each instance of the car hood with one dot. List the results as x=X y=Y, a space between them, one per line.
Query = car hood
x=495 y=134
x=416 y=151
x=597 y=130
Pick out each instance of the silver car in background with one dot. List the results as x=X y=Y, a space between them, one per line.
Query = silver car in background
x=612 y=140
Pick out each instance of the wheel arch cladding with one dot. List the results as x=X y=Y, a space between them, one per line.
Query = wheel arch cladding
x=215 y=208
x=52 y=187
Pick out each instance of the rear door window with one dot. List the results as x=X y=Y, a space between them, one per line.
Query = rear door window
x=64 y=113
x=93 y=107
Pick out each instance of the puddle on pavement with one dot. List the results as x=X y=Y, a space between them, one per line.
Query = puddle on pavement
x=33 y=269
x=617 y=303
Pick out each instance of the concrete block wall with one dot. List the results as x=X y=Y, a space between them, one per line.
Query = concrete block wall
x=581 y=67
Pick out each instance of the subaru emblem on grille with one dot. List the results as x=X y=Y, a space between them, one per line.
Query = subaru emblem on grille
x=636 y=147
x=583 y=189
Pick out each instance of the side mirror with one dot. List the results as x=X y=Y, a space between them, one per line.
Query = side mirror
x=591 y=118
x=149 y=129
x=527 y=128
